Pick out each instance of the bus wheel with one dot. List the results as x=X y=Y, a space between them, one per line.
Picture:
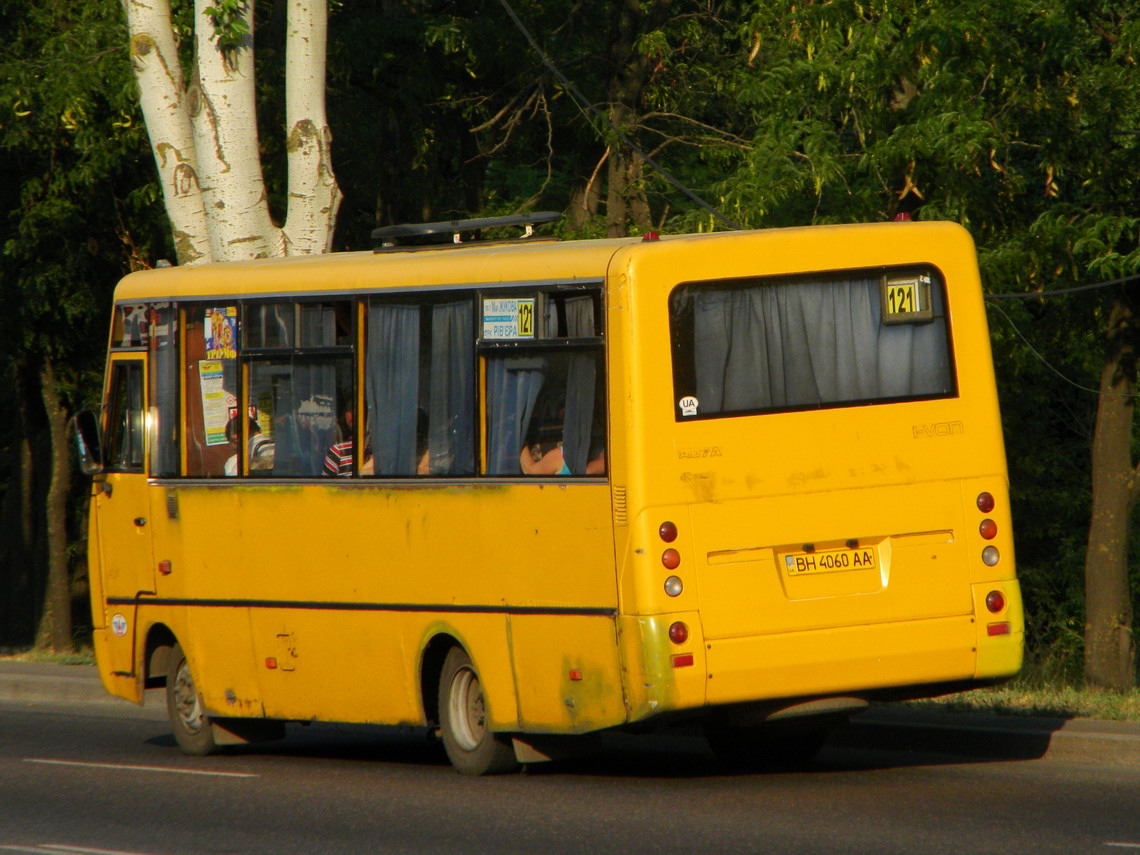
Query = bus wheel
x=471 y=746
x=188 y=719
x=765 y=747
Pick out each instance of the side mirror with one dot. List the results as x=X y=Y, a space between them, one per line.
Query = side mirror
x=85 y=429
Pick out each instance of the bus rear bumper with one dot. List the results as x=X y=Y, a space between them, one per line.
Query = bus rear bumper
x=841 y=660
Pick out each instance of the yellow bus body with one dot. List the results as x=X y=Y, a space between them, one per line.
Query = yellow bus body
x=321 y=599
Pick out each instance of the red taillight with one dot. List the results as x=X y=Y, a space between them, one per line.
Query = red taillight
x=988 y=529
x=995 y=601
x=678 y=633
x=667 y=531
x=997 y=628
x=985 y=502
x=671 y=558
x=683 y=660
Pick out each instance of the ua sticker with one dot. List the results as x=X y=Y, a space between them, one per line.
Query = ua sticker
x=688 y=405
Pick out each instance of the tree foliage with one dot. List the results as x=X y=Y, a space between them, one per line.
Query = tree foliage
x=1020 y=120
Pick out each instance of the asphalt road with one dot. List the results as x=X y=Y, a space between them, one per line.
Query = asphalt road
x=79 y=777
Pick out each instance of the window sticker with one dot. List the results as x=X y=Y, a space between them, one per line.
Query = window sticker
x=508 y=318
x=216 y=401
x=221 y=333
x=688 y=405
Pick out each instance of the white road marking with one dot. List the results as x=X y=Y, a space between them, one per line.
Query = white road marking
x=130 y=768
x=1123 y=845
x=72 y=850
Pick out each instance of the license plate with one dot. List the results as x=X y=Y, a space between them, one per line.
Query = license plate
x=829 y=560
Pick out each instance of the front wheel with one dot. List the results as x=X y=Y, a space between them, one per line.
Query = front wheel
x=192 y=727
x=472 y=747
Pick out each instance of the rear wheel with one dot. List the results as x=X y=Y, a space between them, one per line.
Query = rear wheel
x=472 y=747
x=188 y=720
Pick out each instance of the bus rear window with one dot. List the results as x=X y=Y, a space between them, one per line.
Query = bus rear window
x=809 y=341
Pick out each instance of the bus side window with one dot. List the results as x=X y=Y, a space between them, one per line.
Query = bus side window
x=419 y=381
x=125 y=423
x=211 y=386
x=545 y=414
x=162 y=375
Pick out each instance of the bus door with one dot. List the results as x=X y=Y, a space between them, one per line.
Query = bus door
x=122 y=508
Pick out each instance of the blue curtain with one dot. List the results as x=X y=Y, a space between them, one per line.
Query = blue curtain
x=513 y=384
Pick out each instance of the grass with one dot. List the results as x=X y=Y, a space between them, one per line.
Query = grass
x=1023 y=697
x=79 y=656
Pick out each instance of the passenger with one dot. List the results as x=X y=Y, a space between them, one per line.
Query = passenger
x=260 y=447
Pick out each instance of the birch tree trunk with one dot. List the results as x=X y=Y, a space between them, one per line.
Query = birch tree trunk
x=205 y=140
x=223 y=113
x=314 y=196
x=162 y=96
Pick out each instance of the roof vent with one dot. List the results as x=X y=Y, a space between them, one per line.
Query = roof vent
x=411 y=236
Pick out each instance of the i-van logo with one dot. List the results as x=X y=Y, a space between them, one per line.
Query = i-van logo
x=936 y=429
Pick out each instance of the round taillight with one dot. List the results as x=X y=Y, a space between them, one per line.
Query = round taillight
x=985 y=502
x=678 y=633
x=995 y=601
x=988 y=529
x=990 y=556
x=671 y=558
x=674 y=586
x=667 y=531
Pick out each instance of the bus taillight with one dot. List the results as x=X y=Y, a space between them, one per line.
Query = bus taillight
x=674 y=586
x=667 y=531
x=679 y=632
x=990 y=556
x=671 y=558
x=985 y=502
x=995 y=601
x=988 y=529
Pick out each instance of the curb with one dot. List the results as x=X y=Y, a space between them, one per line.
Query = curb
x=971 y=735
x=37 y=681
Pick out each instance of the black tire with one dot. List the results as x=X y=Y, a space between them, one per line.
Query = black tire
x=770 y=747
x=192 y=728
x=471 y=746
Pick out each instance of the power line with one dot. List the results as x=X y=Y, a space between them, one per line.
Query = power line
x=585 y=104
x=1025 y=295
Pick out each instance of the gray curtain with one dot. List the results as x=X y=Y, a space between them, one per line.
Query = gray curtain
x=164 y=365
x=451 y=404
x=392 y=386
x=581 y=382
x=774 y=346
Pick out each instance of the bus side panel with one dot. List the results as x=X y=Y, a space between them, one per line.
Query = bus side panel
x=317 y=603
x=567 y=673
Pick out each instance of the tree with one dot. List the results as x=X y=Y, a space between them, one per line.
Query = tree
x=75 y=208
x=204 y=134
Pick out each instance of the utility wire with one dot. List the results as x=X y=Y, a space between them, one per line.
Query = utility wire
x=1025 y=295
x=581 y=100
x=1046 y=362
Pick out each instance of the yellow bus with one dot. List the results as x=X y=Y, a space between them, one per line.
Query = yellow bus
x=523 y=490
